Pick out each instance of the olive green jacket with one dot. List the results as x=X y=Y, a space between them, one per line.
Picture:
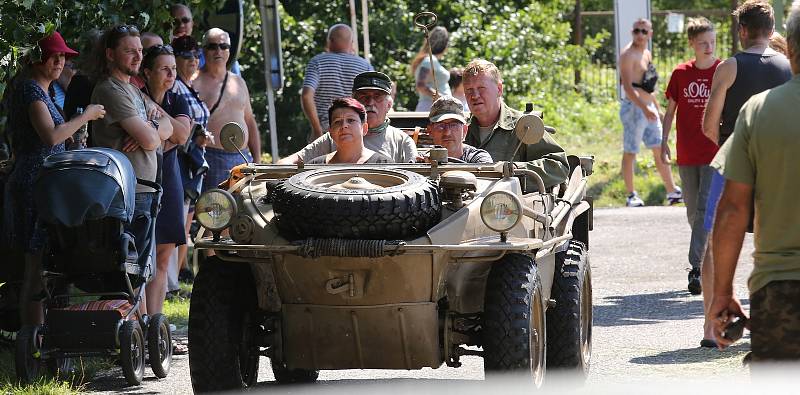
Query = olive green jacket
x=546 y=157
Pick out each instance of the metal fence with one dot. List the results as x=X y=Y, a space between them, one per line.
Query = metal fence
x=598 y=80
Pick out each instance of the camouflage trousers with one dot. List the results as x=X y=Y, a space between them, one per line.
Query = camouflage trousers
x=775 y=322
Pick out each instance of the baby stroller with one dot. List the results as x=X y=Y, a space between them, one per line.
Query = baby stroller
x=84 y=197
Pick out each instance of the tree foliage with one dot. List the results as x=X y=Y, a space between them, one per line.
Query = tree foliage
x=529 y=41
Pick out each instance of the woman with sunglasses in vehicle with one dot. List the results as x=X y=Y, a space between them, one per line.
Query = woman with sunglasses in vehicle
x=159 y=72
x=37 y=129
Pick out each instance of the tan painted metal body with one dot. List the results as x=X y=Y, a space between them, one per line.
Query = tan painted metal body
x=394 y=311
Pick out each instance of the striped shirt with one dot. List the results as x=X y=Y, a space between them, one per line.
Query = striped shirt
x=197 y=108
x=475 y=155
x=331 y=76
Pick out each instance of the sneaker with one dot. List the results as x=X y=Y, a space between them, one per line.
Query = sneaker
x=634 y=200
x=695 y=288
x=675 y=197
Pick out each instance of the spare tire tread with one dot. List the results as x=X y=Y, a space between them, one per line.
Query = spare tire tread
x=377 y=215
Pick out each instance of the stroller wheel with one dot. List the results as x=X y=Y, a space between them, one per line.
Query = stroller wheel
x=131 y=351
x=27 y=358
x=159 y=345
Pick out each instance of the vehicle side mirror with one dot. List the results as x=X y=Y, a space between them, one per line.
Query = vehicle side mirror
x=529 y=129
x=232 y=137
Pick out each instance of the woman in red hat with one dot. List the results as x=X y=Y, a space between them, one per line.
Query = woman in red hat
x=36 y=129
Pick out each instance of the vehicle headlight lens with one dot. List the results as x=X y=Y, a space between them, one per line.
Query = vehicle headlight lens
x=501 y=211
x=215 y=209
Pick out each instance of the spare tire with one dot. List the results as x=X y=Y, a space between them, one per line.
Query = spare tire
x=372 y=203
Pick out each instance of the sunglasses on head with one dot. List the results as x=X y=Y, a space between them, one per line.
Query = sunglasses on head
x=187 y=54
x=181 y=21
x=215 y=46
x=158 y=50
x=640 y=31
x=126 y=29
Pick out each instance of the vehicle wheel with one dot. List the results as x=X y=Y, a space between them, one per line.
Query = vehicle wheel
x=514 y=329
x=223 y=354
x=131 y=351
x=569 y=323
x=27 y=357
x=159 y=345
x=378 y=204
x=284 y=375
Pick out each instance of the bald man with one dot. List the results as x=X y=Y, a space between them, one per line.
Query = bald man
x=329 y=76
x=228 y=100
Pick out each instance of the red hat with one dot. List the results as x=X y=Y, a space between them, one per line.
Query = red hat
x=54 y=43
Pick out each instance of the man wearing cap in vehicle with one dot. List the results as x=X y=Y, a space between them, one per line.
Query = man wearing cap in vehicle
x=448 y=127
x=372 y=89
x=493 y=121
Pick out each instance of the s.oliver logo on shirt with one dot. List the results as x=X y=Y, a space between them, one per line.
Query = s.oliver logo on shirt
x=697 y=92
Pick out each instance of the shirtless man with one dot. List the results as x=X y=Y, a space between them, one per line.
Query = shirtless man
x=639 y=112
x=228 y=100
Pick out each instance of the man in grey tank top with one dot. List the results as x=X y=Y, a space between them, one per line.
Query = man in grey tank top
x=754 y=70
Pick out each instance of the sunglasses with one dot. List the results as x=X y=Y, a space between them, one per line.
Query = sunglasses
x=126 y=29
x=158 y=50
x=187 y=54
x=215 y=46
x=181 y=21
x=641 y=31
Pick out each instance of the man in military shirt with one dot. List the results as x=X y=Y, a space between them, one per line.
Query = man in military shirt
x=374 y=90
x=492 y=126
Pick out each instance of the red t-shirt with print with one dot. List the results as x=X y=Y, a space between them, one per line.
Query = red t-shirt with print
x=690 y=88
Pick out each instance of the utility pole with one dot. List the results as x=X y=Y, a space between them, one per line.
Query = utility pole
x=577 y=36
x=734 y=29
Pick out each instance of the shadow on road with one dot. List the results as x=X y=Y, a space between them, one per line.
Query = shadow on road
x=649 y=308
x=692 y=355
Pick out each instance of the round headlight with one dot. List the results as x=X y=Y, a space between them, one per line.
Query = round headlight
x=501 y=211
x=215 y=209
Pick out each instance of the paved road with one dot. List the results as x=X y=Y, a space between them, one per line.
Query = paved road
x=646 y=326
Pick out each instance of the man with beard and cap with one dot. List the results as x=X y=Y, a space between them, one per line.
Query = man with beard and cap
x=373 y=89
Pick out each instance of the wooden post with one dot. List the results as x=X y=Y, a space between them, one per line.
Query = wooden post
x=734 y=29
x=354 y=24
x=365 y=28
x=577 y=36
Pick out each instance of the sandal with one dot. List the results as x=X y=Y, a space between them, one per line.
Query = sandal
x=179 y=348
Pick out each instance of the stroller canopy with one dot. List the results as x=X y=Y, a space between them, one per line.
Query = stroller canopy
x=76 y=186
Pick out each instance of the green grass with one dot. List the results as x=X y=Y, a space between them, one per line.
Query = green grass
x=177 y=309
x=86 y=368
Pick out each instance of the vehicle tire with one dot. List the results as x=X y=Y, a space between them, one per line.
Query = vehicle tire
x=159 y=345
x=223 y=355
x=314 y=204
x=569 y=322
x=514 y=327
x=284 y=375
x=131 y=351
x=27 y=357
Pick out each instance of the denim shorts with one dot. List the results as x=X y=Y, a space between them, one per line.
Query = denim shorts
x=636 y=129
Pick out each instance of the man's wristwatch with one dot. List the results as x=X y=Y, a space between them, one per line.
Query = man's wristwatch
x=154 y=123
